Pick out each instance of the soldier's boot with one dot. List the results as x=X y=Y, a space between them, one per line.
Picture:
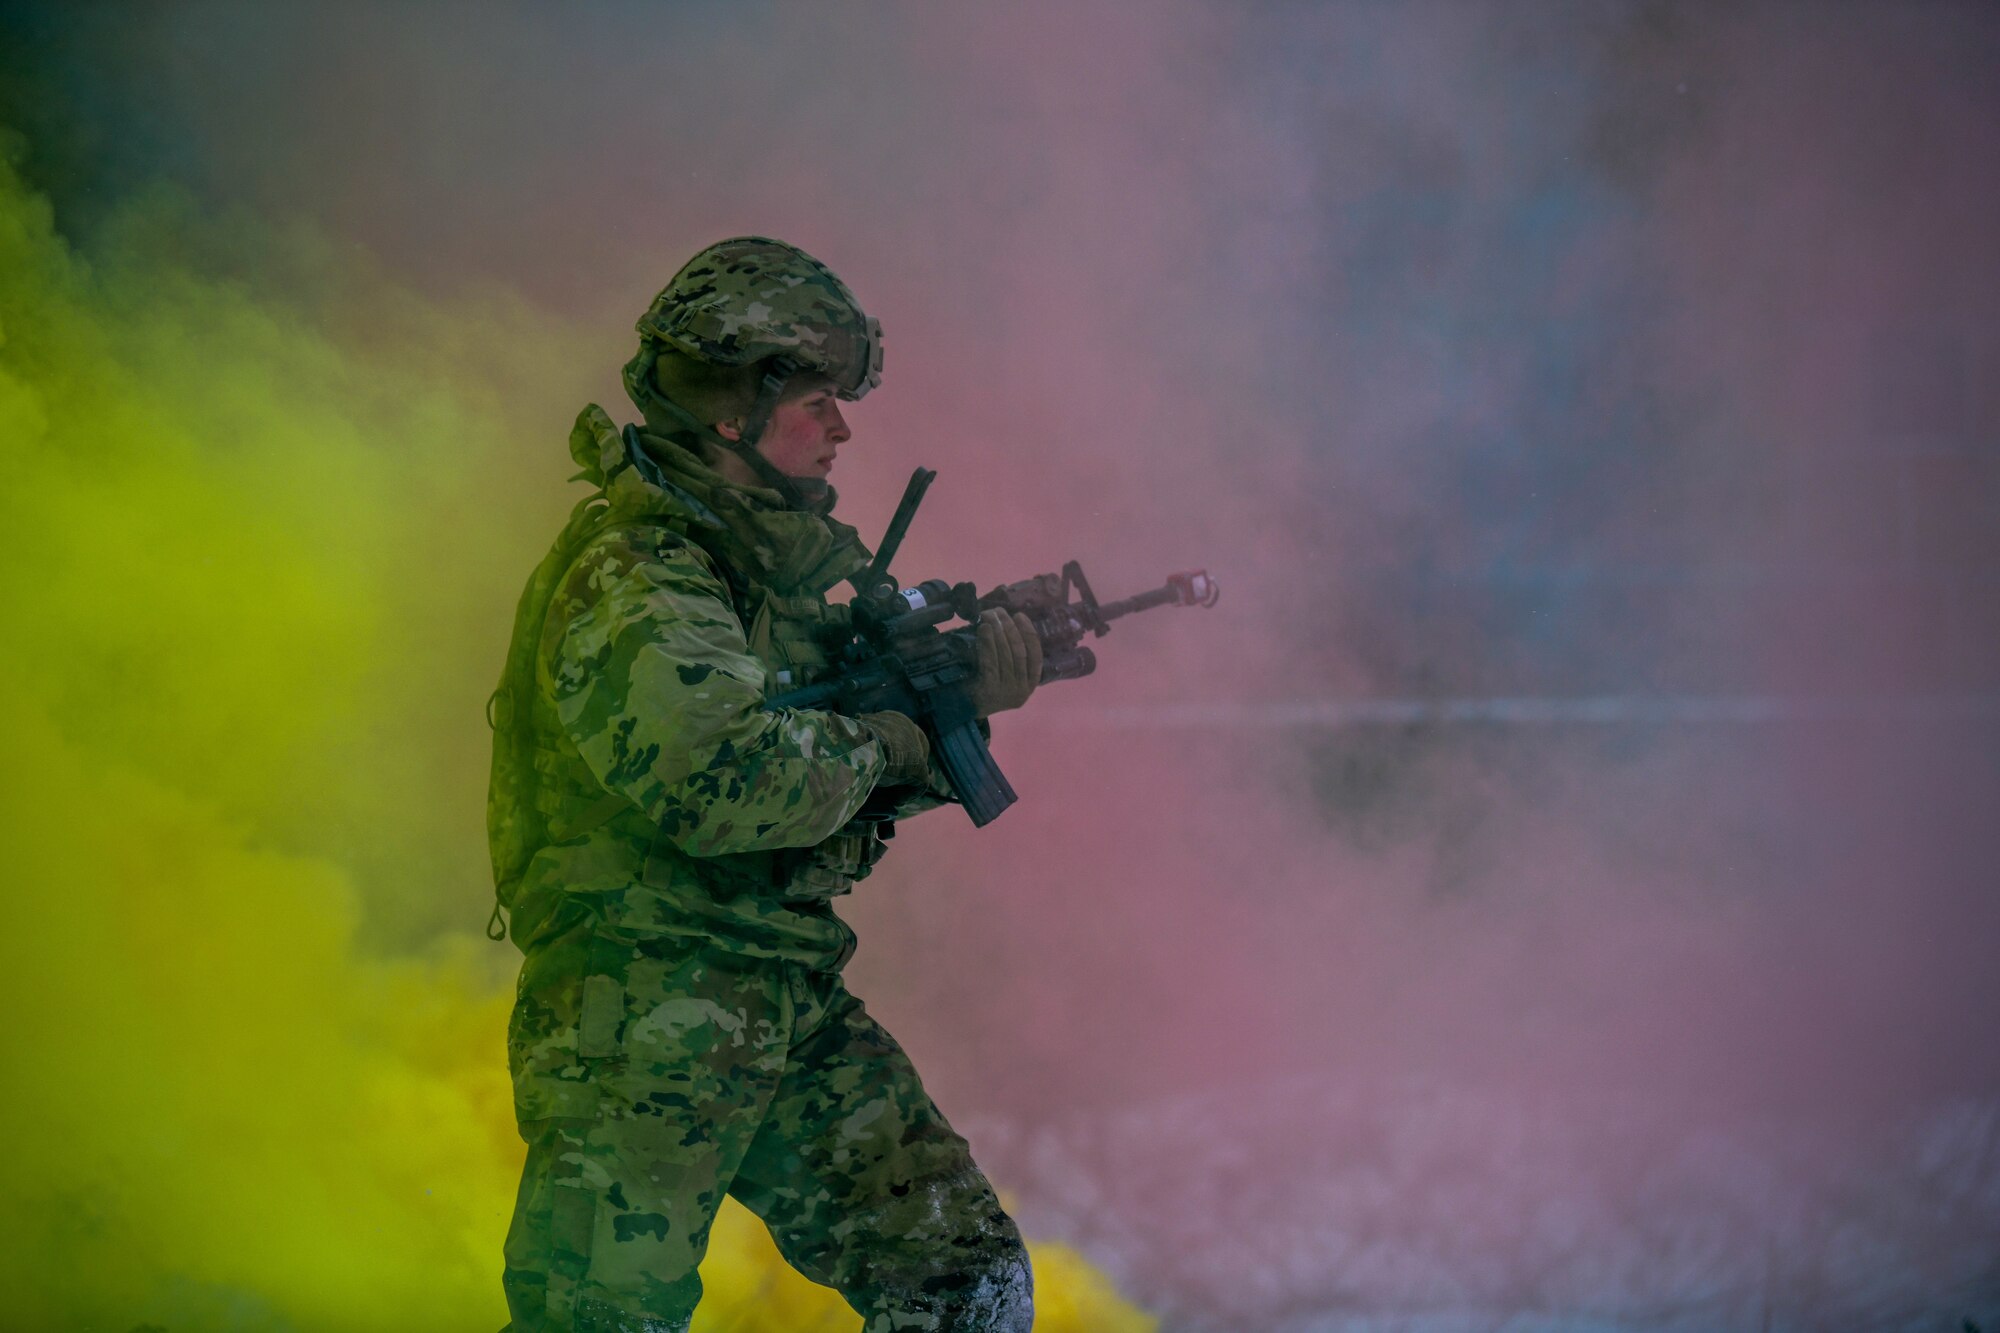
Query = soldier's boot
x=986 y=1286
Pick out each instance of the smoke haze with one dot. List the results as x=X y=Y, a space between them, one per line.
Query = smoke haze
x=1557 y=877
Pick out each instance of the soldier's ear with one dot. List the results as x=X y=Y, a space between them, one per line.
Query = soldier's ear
x=730 y=429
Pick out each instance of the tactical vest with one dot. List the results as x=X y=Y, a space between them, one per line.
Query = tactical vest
x=794 y=638
x=543 y=793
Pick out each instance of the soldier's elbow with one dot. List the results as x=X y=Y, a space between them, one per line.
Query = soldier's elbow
x=726 y=831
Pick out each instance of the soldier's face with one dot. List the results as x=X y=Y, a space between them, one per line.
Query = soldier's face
x=804 y=433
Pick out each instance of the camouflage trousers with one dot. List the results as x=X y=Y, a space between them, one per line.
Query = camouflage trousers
x=651 y=1079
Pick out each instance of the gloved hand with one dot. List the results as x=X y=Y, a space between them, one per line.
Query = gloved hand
x=904 y=746
x=1010 y=662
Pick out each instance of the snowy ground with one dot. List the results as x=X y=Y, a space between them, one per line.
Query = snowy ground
x=1307 y=1208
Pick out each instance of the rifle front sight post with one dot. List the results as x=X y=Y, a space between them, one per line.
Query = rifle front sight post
x=872 y=580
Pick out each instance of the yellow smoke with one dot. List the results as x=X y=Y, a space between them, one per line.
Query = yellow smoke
x=258 y=541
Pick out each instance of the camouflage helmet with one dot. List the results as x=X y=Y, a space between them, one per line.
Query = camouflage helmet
x=750 y=297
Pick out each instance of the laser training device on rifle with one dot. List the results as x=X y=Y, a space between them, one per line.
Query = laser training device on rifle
x=898 y=658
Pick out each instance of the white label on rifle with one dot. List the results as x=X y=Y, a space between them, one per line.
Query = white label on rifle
x=784 y=677
x=914 y=599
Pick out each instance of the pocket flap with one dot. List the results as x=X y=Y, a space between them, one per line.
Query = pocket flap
x=603 y=1015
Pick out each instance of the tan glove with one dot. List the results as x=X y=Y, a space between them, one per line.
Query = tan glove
x=1010 y=662
x=905 y=746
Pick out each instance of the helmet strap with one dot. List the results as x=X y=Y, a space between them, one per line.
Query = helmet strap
x=745 y=445
x=638 y=383
x=768 y=393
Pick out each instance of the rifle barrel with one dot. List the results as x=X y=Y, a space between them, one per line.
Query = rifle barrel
x=1145 y=601
x=1190 y=587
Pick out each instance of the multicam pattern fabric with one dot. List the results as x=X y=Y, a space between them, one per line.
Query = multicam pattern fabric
x=670 y=851
x=751 y=297
x=633 y=764
x=690 y=1073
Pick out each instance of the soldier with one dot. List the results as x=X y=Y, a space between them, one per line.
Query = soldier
x=669 y=849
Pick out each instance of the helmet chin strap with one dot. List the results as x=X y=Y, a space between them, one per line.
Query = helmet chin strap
x=745 y=445
x=810 y=495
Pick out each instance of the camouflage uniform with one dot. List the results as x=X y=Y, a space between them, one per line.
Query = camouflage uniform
x=670 y=851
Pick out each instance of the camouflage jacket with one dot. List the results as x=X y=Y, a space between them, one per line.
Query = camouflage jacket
x=636 y=774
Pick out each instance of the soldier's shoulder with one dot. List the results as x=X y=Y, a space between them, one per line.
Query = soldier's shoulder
x=643 y=565
x=657 y=549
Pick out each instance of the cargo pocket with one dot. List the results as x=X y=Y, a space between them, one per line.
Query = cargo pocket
x=549 y=1244
x=573 y=1217
x=603 y=1015
x=572 y=1229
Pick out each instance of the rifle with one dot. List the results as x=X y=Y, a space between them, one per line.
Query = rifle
x=898 y=657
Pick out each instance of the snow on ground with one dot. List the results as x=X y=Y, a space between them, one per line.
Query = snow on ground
x=1304 y=1207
